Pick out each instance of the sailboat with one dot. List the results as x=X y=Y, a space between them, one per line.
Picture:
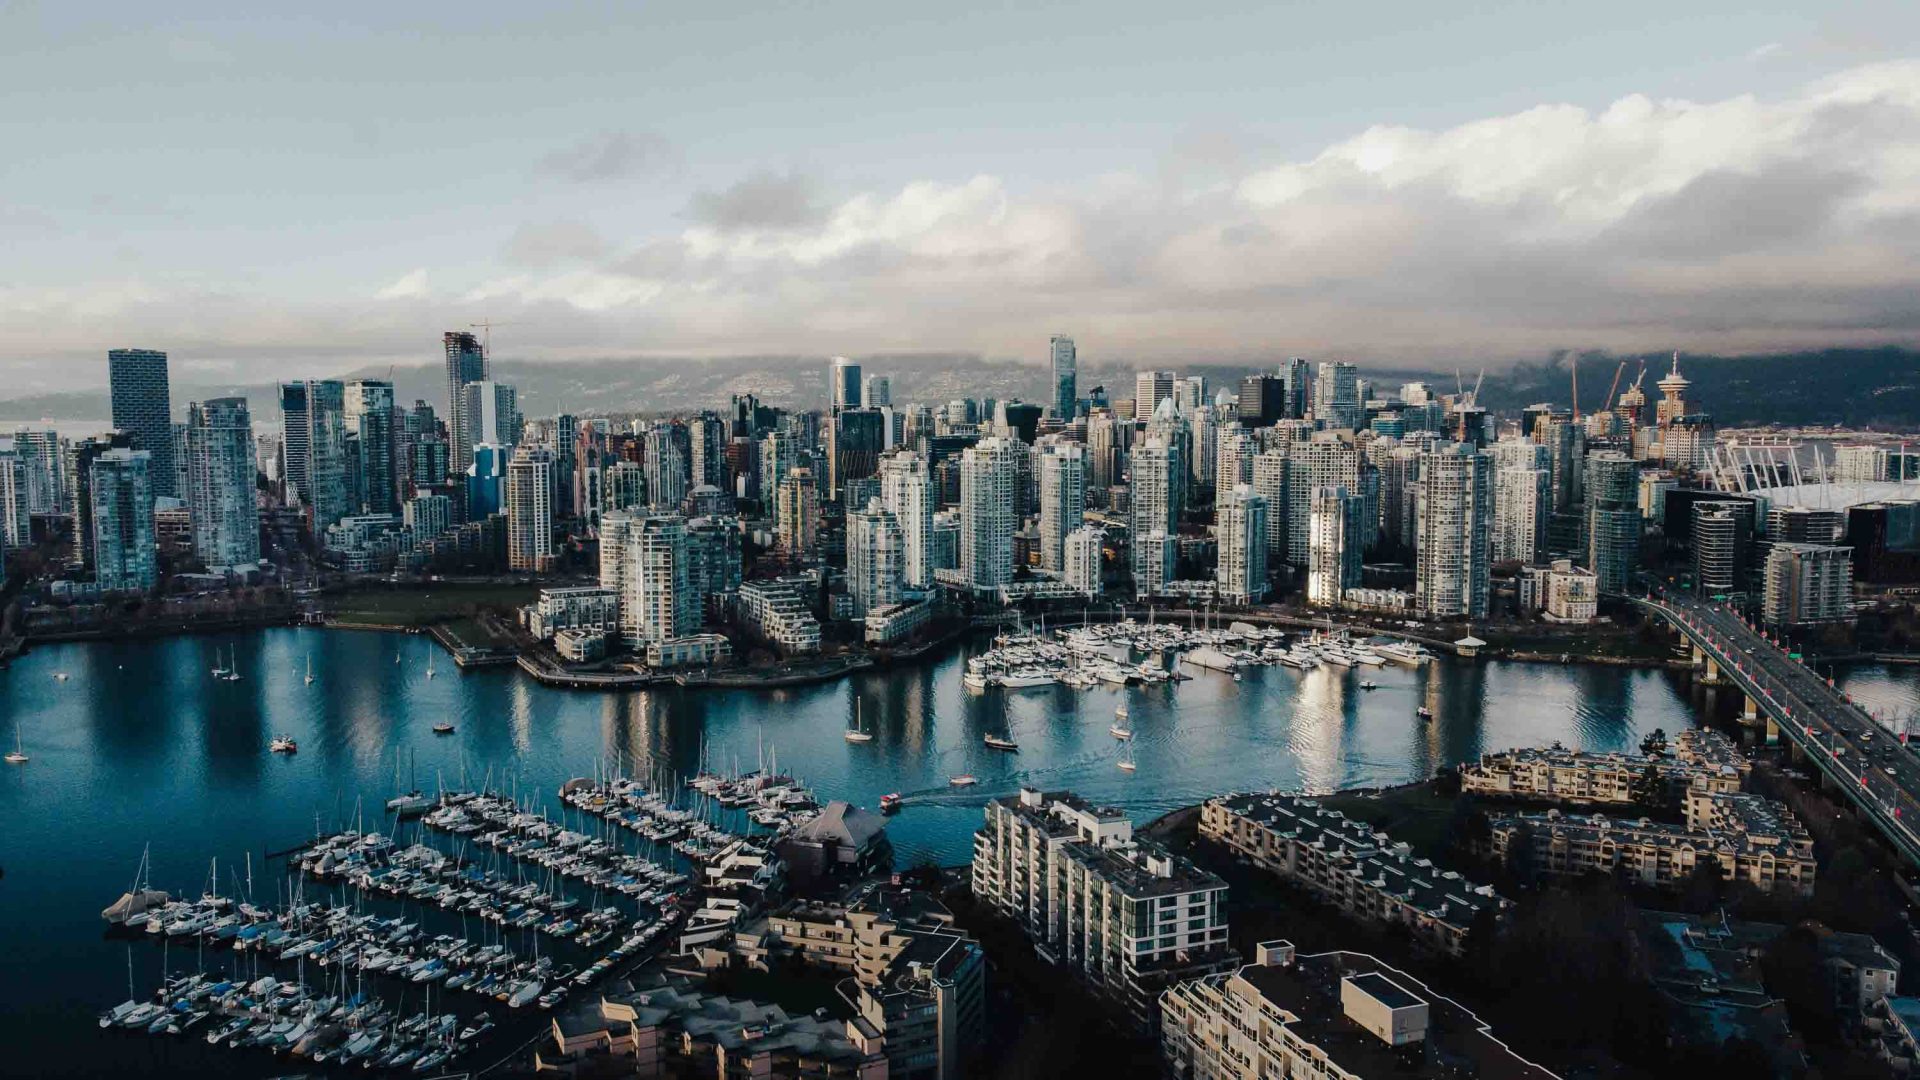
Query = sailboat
x=1126 y=756
x=1000 y=742
x=429 y=665
x=220 y=668
x=231 y=673
x=1120 y=729
x=309 y=669
x=858 y=732
x=19 y=755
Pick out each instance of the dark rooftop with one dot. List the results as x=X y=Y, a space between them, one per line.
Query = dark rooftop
x=1383 y=990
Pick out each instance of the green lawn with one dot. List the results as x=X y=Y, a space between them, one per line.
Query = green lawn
x=1412 y=815
x=420 y=607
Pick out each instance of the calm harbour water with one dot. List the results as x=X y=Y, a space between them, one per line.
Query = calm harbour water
x=141 y=746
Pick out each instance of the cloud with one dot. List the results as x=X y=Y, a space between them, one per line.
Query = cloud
x=611 y=155
x=411 y=285
x=554 y=242
x=1734 y=225
x=765 y=200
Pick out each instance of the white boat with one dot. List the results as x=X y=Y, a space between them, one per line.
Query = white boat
x=1402 y=652
x=1366 y=656
x=1120 y=728
x=996 y=742
x=858 y=733
x=963 y=780
x=18 y=756
x=1126 y=756
x=1369 y=684
x=1025 y=678
x=1336 y=656
x=283 y=744
x=61 y=676
x=429 y=666
x=309 y=669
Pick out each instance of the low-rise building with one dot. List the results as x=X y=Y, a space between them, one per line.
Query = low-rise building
x=843 y=841
x=1328 y=1016
x=894 y=623
x=1560 y=592
x=1745 y=837
x=590 y=607
x=1705 y=760
x=1125 y=916
x=665 y=1028
x=1350 y=866
x=580 y=646
x=776 y=612
x=693 y=650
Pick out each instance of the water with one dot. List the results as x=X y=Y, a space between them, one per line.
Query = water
x=141 y=746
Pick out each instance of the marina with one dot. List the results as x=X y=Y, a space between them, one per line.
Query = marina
x=646 y=778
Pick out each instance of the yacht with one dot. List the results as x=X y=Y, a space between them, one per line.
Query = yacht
x=1022 y=678
x=309 y=669
x=444 y=727
x=413 y=802
x=1335 y=655
x=283 y=744
x=429 y=666
x=1404 y=652
x=963 y=780
x=1119 y=729
x=890 y=803
x=1126 y=756
x=996 y=742
x=858 y=733
x=18 y=755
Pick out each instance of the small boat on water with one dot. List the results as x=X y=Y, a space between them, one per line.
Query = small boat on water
x=309 y=669
x=1423 y=713
x=858 y=733
x=61 y=676
x=1126 y=756
x=963 y=780
x=1120 y=729
x=18 y=755
x=283 y=744
x=1369 y=684
x=444 y=727
x=890 y=803
x=996 y=742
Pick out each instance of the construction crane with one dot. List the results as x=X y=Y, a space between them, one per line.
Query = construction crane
x=485 y=326
x=1607 y=403
x=1573 y=368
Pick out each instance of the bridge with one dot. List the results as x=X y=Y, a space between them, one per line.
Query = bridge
x=1847 y=746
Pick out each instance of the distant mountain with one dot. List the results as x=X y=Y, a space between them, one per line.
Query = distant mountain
x=1857 y=387
x=1861 y=388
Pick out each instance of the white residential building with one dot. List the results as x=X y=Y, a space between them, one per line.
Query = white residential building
x=1241 y=528
x=1083 y=560
x=876 y=558
x=1453 y=510
x=906 y=489
x=1063 y=499
x=989 y=510
x=530 y=492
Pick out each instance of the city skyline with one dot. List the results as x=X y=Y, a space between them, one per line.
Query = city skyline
x=1492 y=188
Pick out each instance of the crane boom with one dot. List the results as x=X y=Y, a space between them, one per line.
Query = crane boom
x=1607 y=402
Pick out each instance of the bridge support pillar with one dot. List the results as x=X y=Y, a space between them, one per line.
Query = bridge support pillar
x=1699 y=657
x=1751 y=710
x=1773 y=730
x=1712 y=677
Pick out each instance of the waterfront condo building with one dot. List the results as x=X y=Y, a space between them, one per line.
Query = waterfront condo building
x=906 y=489
x=989 y=510
x=1125 y=916
x=1454 y=515
x=124 y=554
x=1808 y=583
x=1063 y=499
x=1350 y=866
x=876 y=558
x=466 y=364
x=1240 y=573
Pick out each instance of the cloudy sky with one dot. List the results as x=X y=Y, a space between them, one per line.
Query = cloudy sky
x=262 y=193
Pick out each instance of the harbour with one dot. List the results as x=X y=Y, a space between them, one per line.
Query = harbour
x=558 y=828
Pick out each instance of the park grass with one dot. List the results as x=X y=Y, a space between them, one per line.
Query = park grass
x=424 y=607
x=1412 y=814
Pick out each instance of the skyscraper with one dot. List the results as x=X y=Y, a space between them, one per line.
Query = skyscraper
x=466 y=363
x=855 y=439
x=1327 y=459
x=530 y=499
x=797 y=503
x=1155 y=479
x=644 y=559
x=1065 y=375
x=1522 y=500
x=1454 y=510
x=1336 y=393
x=989 y=477
x=16 y=520
x=1270 y=483
x=297 y=442
x=124 y=555
x=906 y=490
x=843 y=384
x=79 y=492
x=876 y=392
x=143 y=407
x=1233 y=462
x=369 y=404
x=220 y=483
x=1262 y=400
x=1613 y=519
x=327 y=468
x=1063 y=499
x=1332 y=555
x=1150 y=388
x=1083 y=560
x=876 y=558
x=1299 y=400
x=493 y=413
x=668 y=471
x=1240 y=573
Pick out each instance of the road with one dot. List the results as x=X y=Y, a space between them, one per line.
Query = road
x=1864 y=760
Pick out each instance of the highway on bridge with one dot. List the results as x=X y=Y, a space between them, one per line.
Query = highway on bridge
x=1865 y=761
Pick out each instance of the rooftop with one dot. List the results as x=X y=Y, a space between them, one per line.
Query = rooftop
x=1142 y=869
x=1457 y=1043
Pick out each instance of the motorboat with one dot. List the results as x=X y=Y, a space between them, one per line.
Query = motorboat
x=996 y=742
x=1423 y=713
x=963 y=780
x=1369 y=684
x=283 y=744
x=890 y=803
x=444 y=727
